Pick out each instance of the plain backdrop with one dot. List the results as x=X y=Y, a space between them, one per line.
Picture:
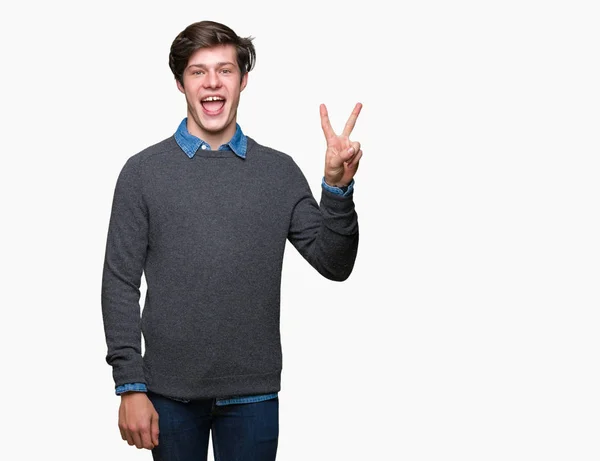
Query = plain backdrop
x=469 y=327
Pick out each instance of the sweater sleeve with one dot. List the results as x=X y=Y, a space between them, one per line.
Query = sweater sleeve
x=325 y=234
x=126 y=247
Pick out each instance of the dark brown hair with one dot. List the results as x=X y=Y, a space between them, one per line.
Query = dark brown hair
x=206 y=34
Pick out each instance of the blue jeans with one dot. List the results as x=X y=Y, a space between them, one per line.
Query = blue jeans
x=240 y=432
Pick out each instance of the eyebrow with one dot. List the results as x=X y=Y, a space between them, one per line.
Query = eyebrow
x=219 y=64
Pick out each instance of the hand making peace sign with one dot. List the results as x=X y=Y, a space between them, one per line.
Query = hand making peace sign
x=342 y=156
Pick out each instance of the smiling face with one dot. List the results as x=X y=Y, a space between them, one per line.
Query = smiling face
x=212 y=83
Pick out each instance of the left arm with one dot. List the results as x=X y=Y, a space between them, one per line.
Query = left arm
x=326 y=235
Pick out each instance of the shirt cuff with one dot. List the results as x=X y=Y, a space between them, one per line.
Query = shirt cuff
x=345 y=191
x=136 y=387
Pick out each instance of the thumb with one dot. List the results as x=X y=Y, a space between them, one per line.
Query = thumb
x=347 y=154
x=154 y=428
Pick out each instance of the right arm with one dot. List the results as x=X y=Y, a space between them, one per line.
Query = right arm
x=126 y=247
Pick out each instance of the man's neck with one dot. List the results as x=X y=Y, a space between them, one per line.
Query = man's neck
x=214 y=140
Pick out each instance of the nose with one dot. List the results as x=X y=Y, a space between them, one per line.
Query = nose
x=212 y=79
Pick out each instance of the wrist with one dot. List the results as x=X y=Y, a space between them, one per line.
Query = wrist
x=130 y=394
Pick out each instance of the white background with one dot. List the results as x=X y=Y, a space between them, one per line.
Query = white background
x=469 y=327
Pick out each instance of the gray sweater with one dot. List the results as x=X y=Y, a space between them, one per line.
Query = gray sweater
x=209 y=233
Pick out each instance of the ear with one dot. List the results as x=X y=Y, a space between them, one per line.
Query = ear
x=244 y=82
x=180 y=86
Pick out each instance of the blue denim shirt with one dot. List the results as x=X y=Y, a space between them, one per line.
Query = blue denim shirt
x=238 y=145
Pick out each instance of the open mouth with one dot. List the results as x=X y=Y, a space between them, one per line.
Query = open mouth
x=213 y=105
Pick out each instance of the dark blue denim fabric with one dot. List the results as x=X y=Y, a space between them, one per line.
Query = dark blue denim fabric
x=247 y=432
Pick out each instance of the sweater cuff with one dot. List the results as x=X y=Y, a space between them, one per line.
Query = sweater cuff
x=338 y=213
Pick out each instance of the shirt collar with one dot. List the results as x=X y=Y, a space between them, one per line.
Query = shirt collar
x=190 y=143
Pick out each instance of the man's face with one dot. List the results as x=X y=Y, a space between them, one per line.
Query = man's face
x=212 y=85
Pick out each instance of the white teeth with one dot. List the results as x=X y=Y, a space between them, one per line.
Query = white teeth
x=213 y=98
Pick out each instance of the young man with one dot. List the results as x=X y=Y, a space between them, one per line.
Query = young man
x=205 y=214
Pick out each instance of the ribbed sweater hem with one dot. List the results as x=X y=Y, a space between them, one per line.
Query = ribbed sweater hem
x=221 y=387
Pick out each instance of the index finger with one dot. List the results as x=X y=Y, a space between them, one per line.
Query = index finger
x=325 y=123
x=352 y=120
